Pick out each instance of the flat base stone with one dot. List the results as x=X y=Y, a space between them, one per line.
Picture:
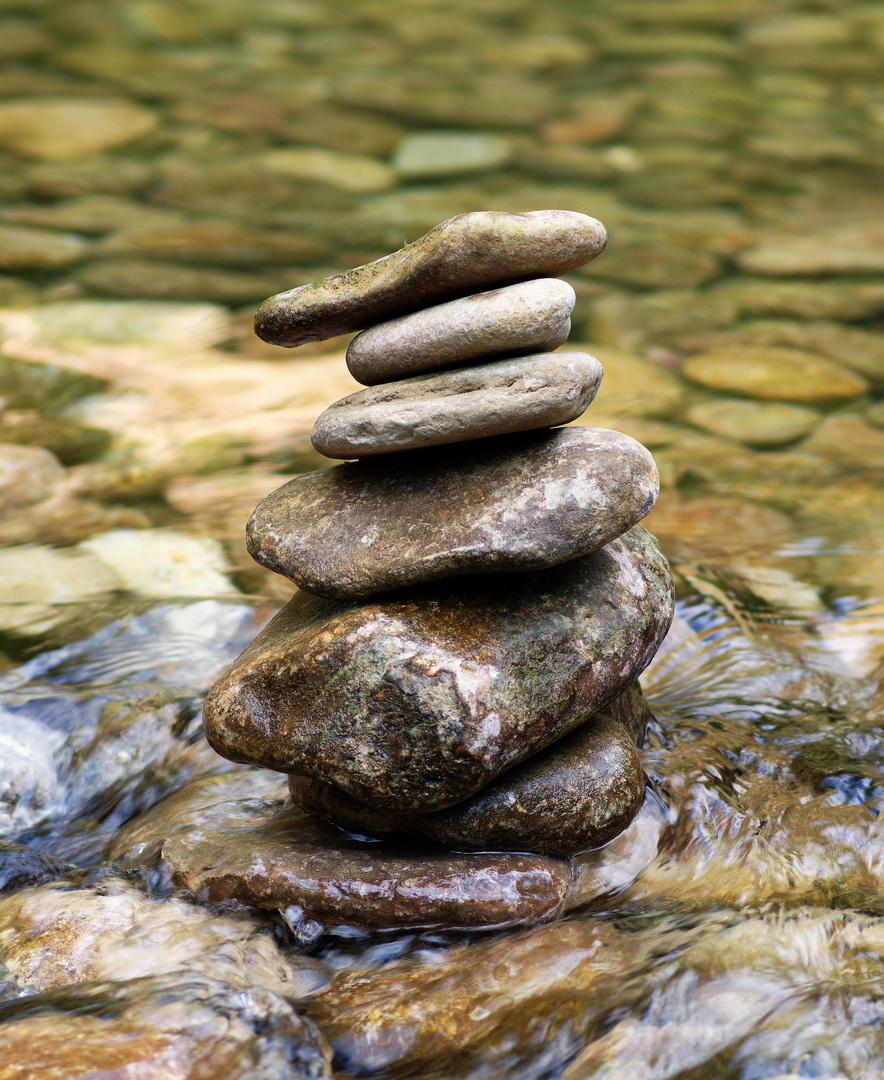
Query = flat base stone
x=320 y=878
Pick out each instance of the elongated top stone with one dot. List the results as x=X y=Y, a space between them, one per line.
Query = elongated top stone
x=517 y=502
x=465 y=254
x=416 y=701
x=531 y=316
x=504 y=396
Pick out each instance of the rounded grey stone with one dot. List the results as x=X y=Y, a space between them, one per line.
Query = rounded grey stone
x=416 y=701
x=518 y=502
x=463 y=255
x=531 y=316
x=577 y=794
x=516 y=394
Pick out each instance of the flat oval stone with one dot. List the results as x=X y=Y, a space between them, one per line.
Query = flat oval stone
x=516 y=394
x=531 y=316
x=577 y=794
x=463 y=255
x=415 y=702
x=519 y=502
x=320 y=878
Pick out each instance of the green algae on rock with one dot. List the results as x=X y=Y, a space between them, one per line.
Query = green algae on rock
x=518 y=502
x=417 y=701
x=480 y=250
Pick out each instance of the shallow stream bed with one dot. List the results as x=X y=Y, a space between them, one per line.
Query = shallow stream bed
x=164 y=166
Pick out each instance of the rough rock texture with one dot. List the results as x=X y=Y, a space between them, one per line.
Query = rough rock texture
x=463 y=255
x=416 y=702
x=453 y=406
x=318 y=877
x=520 y=502
x=532 y=316
x=577 y=794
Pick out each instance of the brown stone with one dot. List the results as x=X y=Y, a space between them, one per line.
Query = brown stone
x=319 y=877
x=518 y=502
x=465 y=254
x=417 y=701
x=577 y=794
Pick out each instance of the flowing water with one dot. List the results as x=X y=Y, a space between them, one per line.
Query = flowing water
x=164 y=166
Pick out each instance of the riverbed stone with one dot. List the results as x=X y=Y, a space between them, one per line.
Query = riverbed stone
x=465 y=254
x=773 y=373
x=60 y=129
x=755 y=423
x=320 y=878
x=530 y=316
x=519 y=502
x=577 y=794
x=515 y=394
x=175 y=1026
x=57 y=934
x=416 y=701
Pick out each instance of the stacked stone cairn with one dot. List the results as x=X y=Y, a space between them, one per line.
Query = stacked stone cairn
x=476 y=597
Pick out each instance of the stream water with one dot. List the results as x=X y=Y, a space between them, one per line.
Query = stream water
x=165 y=166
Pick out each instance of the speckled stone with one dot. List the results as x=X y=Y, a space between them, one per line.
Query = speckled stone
x=519 y=502
x=504 y=396
x=577 y=794
x=320 y=878
x=465 y=254
x=417 y=701
x=530 y=316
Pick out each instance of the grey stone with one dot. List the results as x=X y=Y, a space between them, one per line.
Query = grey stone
x=531 y=316
x=319 y=878
x=519 y=502
x=467 y=253
x=577 y=794
x=504 y=396
x=417 y=701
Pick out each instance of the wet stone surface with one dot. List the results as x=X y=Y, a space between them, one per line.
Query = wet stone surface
x=521 y=502
x=578 y=793
x=416 y=701
x=319 y=877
